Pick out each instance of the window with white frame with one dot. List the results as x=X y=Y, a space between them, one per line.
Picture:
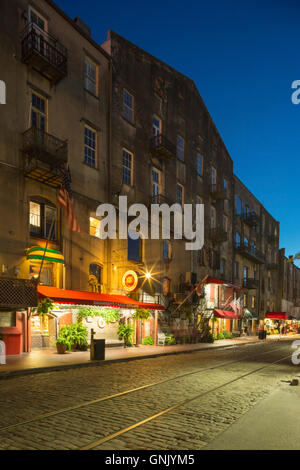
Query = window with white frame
x=156 y=126
x=156 y=183
x=213 y=176
x=90 y=146
x=38 y=112
x=42 y=216
x=128 y=106
x=127 y=174
x=91 y=76
x=180 y=148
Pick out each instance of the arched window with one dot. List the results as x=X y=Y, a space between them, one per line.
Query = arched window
x=42 y=215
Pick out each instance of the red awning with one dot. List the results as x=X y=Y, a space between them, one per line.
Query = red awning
x=77 y=297
x=213 y=280
x=226 y=314
x=278 y=315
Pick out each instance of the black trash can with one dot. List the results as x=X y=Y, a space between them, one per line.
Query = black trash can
x=99 y=349
x=262 y=334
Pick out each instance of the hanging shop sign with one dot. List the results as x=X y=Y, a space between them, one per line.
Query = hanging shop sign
x=130 y=281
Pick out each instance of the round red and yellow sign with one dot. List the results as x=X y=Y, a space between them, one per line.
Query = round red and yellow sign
x=130 y=281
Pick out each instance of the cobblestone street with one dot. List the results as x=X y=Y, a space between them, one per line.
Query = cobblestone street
x=165 y=383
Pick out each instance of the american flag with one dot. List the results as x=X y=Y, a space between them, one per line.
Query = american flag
x=237 y=306
x=65 y=199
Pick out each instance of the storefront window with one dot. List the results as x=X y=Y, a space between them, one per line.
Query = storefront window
x=7 y=319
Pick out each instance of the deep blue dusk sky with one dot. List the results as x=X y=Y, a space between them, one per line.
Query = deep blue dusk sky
x=243 y=56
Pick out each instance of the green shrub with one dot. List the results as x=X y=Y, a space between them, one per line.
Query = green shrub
x=227 y=334
x=75 y=334
x=220 y=335
x=170 y=339
x=209 y=338
x=148 y=341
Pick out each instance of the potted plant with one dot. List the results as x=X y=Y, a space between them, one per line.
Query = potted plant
x=61 y=345
x=125 y=332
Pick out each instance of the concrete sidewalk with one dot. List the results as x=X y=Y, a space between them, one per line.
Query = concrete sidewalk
x=272 y=424
x=48 y=360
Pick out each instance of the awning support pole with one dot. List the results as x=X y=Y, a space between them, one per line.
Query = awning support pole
x=46 y=246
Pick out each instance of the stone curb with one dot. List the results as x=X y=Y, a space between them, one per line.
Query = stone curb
x=58 y=368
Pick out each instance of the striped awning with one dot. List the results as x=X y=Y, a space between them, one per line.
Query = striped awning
x=37 y=252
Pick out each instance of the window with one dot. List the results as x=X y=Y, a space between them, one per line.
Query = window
x=7 y=319
x=245 y=300
x=199 y=165
x=222 y=266
x=179 y=195
x=91 y=76
x=213 y=217
x=246 y=210
x=253 y=301
x=37 y=19
x=245 y=272
x=225 y=223
x=237 y=239
x=90 y=146
x=127 y=175
x=166 y=250
x=156 y=184
x=238 y=206
x=38 y=112
x=213 y=176
x=41 y=215
x=94 y=227
x=134 y=248
x=236 y=270
x=246 y=241
x=225 y=185
x=128 y=112
x=156 y=126
x=180 y=148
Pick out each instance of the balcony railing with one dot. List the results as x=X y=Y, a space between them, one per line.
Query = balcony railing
x=250 y=252
x=218 y=234
x=249 y=283
x=218 y=191
x=45 y=156
x=44 y=53
x=251 y=219
x=161 y=147
x=45 y=147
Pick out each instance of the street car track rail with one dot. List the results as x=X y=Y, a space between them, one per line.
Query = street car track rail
x=133 y=390
x=97 y=443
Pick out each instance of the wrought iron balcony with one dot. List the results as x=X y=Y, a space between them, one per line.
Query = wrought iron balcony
x=251 y=219
x=218 y=191
x=44 y=53
x=18 y=293
x=161 y=147
x=218 y=234
x=45 y=156
x=250 y=283
x=250 y=252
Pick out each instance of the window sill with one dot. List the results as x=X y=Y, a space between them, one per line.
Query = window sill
x=91 y=167
x=92 y=94
x=132 y=123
